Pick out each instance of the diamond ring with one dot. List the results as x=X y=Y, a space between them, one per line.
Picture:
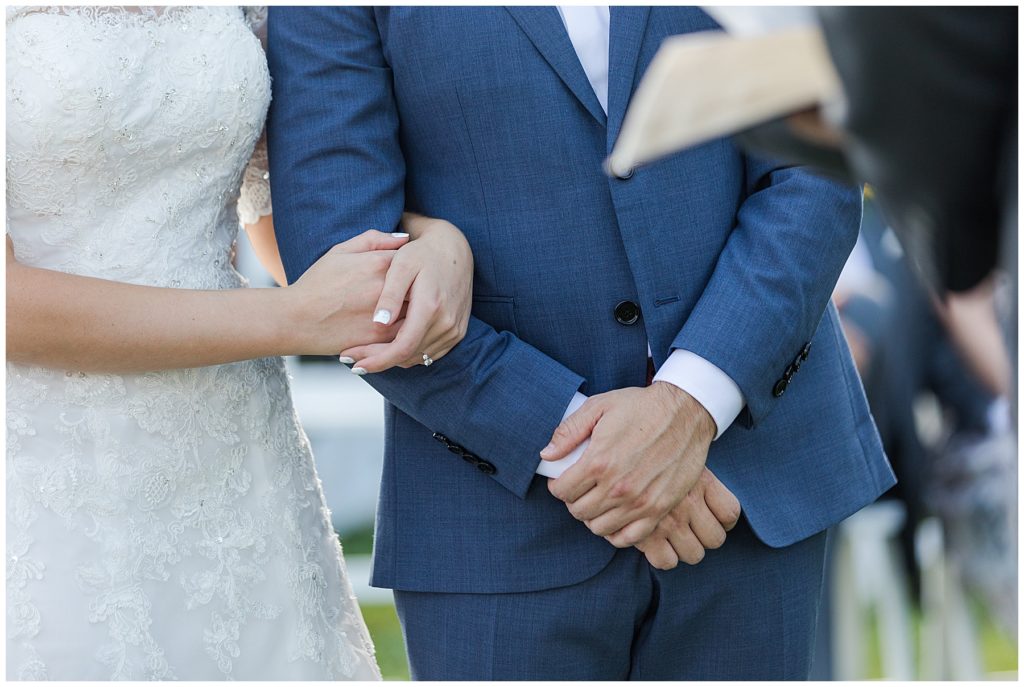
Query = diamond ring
x=427 y=360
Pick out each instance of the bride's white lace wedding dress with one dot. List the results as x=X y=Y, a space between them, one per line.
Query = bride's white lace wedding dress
x=171 y=524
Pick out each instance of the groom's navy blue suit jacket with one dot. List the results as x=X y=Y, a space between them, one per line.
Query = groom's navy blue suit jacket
x=485 y=117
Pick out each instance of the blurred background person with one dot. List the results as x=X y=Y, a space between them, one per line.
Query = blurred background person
x=936 y=378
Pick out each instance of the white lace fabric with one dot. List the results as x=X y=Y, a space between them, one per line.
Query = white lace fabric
x=254 y=197
x=170 y=524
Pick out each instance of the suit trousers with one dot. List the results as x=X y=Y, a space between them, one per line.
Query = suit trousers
x=746 y=612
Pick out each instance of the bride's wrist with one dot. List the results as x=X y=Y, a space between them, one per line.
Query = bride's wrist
x=420 y=226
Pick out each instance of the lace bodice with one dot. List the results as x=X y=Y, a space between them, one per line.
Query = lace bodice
x=168 y=524
x=125 y=162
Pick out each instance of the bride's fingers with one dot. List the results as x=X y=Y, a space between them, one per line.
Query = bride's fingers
x=436 y=344
x=397 y=283
x=356 y=356
x=353 y=356
x=406 y=344
x=373 y=240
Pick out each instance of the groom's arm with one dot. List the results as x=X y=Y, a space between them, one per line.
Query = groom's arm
x=337 y=170
x=750 y=329
x=773 y=280
x=753 y=322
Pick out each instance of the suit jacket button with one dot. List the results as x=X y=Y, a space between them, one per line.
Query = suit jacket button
x=486 y=468
x=622 y=175
x=780 y=387
x=627 y=313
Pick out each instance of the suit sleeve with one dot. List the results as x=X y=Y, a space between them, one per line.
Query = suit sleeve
x=337 y=170
x=771 y=285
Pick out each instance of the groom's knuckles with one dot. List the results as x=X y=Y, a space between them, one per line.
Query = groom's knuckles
x=624 y=488
x=598 y=468
x=693 y=557
x=660 y=554
x=724 y=505
x=632 y=533
x=580 y=512
x=709 y=531
x=566 y=488
x=558 y=487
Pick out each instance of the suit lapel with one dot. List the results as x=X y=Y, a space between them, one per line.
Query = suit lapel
x=628 y=25
x=545 y=29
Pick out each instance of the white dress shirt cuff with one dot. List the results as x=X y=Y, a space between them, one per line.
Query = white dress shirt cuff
x=703 y=380
x=555 y=468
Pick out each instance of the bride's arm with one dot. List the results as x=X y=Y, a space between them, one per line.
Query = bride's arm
x=264 y=245
x=82 y=323
x=255 y=212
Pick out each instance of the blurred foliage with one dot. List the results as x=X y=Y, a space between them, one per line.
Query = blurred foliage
x=358 y=542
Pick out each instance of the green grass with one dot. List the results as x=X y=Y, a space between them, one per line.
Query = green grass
x=998 y=650
x=387 y=637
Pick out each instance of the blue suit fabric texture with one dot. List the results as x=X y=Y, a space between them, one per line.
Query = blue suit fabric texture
x=484 y=116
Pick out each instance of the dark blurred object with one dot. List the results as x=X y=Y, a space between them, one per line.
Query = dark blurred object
x=930 y=120
x=907 y=352
x=778 y=138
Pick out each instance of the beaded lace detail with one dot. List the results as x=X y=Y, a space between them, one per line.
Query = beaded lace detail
x=169 y=524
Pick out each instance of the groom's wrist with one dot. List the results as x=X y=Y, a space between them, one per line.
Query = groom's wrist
x=686 y=408
x=707 y=383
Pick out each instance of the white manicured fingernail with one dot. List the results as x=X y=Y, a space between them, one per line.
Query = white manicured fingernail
x=358 y=371
x=399 y=234
x=345 y=360
x=382 y=316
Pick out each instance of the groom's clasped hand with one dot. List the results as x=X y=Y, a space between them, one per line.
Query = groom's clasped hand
x=642 y=481
x=382 y=300
x=429 y=285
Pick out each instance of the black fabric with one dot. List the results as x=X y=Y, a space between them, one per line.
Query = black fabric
x=932 y=95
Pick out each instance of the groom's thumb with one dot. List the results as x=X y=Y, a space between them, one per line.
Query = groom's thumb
x=572 y=432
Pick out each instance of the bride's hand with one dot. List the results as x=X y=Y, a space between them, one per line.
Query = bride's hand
x=434 y=273
x=330 y=308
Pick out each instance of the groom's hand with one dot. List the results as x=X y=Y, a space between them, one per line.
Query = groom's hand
x=647 y=450
x=700 y=522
